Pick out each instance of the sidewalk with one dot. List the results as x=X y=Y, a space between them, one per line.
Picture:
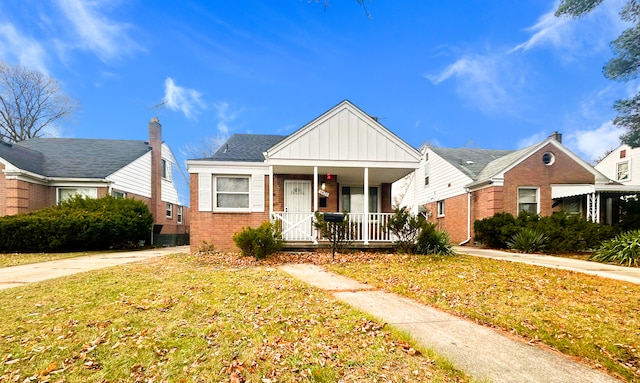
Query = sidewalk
x=35 y=272
x=481 y=352
x=622 y=273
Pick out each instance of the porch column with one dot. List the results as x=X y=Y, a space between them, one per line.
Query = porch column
x=414 y=205
x=270 y=192
x=365 y=220
x=596 y=199
x=314 y=232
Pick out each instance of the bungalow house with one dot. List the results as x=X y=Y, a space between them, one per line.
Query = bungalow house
x=455 y=187
x=344 y=160
x=40 y=172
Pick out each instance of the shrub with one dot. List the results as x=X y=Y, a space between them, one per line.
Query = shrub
x=528 y=240
x=433 y=241
x=624 y=249
x=78 y=224
x=338 y=233
x=406 y=228
x=259 y=242
x=496 y=231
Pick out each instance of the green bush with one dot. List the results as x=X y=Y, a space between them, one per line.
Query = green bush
x=528 y=240
x=76 y=225
x=496 y=231
x=624 y=249
x=406 y=228
x=433 y=241
x=259 y=242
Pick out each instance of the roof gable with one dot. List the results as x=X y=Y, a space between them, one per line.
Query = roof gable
x=83 y=158
x=344 y=133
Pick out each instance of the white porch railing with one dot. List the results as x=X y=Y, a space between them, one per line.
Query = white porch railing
x=299 y=226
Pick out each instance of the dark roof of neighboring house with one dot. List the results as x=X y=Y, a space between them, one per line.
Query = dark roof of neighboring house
x=75 y=157
x=246 y=147
x=472 y=162
x=22 y=158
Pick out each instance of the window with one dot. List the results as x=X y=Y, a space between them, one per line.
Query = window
x=572 y=205
x=166 y=169
x=623 y=171
x=353 y=199
x=179 y=214
x=67 y=193
x=548 y=158
x=232 y=193
x=169 y=208
x=440 y=207
x=623 y=153
x=426 y=174
x=118 y=194
x=528 y=200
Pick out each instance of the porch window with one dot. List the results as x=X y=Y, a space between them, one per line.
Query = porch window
x=67 y=193
x=528 y=200
x=353 y=199
x=572 y=205
x=440 y=207
x=231 y=193
x=623 y=171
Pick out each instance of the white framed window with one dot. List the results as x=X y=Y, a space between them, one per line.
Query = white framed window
x=528 y=198
x=232 y=193
x=169 y=209
x=622 y=171
x=65 y=193
x=179 y=214
x=118 y=194
x=166 y=170
x=353 y=199
x=440 y=208
x=426 y=174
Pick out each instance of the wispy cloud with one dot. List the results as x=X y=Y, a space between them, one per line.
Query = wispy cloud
x=482 y=81
x=177 y=98
x=225 y=115
x=25 y=50
x=592 y=144
x=106 y=38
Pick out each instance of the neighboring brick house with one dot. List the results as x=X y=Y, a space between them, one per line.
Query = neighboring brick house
x=41 y=172
x=326 y=166
x=460 y=186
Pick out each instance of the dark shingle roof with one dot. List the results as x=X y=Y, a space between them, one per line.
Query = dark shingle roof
x=471 y=162
x=22 y=158
x=82 y=158
x=246 y=147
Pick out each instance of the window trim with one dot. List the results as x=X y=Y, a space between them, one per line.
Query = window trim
x=165 y=171
x=60 y=188
x=628 y=163
x=123 y=194
x=168 y=207
x=179 y=214
x=214 y=192
x=378 y=197
x=537 y=189
x=440 y=208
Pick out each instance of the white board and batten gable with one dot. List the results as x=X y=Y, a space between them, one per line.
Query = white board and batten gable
x=344 y=136
x=622 y=165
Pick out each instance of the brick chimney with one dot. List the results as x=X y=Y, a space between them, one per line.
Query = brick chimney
x=155 y=142
x=556 y=136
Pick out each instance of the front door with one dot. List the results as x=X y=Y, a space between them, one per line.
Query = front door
x=297 y=222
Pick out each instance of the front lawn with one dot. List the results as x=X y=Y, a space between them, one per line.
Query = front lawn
x=594 y=319
x=17 y=259
x=181 y=319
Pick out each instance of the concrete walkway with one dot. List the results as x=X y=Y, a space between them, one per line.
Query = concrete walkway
x=622 y=273
x=35 y=272
x=481 y=352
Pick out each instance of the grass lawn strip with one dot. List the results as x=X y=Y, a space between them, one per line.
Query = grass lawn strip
x=594 y=319
x=175 y=319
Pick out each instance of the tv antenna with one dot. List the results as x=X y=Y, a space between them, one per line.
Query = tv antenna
x=158 y=106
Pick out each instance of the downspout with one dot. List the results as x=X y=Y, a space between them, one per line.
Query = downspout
x=468 y=220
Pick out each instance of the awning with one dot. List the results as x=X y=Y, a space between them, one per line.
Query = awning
x=571 y=190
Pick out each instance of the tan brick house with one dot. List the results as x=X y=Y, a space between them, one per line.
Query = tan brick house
x=41 y=172
x=459 y=186
x=344 y=160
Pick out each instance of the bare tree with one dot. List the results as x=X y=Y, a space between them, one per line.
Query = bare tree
x=30 y=101
x=205 y=148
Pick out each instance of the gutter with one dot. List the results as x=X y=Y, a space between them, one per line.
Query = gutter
x=468 y=220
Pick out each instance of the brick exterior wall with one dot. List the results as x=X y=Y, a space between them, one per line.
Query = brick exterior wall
x=454 y=220
x=533 y=172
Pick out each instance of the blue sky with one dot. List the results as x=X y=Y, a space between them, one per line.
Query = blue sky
x=487 y=74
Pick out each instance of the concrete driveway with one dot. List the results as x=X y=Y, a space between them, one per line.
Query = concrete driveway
x=35 y=272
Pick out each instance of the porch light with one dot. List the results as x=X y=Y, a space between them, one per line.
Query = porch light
x=328 y=176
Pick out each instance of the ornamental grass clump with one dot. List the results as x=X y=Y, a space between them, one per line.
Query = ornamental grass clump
x=624 y=249
x=433 y=241
x=528 y=241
